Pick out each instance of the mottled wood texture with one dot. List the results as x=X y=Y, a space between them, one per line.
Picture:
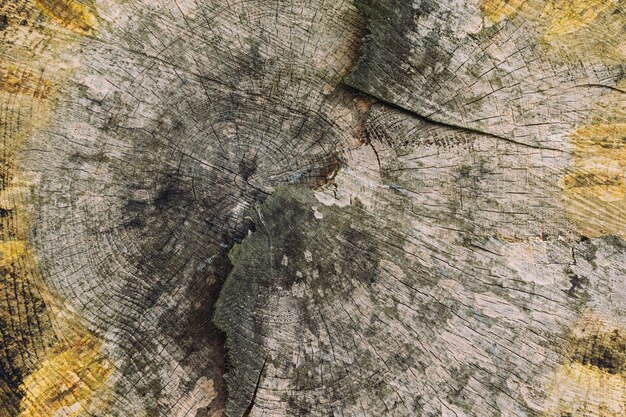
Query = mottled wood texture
x=313 y=207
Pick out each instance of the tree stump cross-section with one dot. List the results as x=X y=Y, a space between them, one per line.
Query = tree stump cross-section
x=312 y=208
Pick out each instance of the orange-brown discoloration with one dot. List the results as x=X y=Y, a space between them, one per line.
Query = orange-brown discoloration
x=72 y=14
x=593 y=382
x=363 y=104
x=66 y=380
x=59 y=363
x=15 y=80
x=66 y=376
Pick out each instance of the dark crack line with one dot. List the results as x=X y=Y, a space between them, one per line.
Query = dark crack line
x=595 y=85
x=256 y=388
x=450 y=125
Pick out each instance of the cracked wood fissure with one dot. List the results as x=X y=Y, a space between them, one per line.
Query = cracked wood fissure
x=313 y=207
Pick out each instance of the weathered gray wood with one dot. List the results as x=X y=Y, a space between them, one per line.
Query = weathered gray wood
x=530 y=76
x=420 y=286
x=178 y=116
x=312 y=207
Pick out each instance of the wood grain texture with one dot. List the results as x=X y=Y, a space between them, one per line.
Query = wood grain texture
x=456 y=304
x=313 y=207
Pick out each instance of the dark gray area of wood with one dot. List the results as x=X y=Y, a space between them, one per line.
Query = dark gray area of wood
x=327 y=207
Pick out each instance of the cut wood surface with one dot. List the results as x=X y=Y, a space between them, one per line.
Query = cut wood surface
x=313 y=207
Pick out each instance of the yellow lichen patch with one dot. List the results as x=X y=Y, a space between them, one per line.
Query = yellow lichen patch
x=595 y=190
x=601 y=140
x=569 y=16
x=25 y=100
x=65 y=377
x=593 y=383
x=24 y=316
x=26 y=327
x=593 y=29
x=559 y=17
x=14 y=194
x=72 y=14
x=582 y=390
x=597 y=211
x=11 y=252
x=53 y=363
x=21 y=308
x=497 y=10
x=601 y=185
x=17 y=80
x=66 y=381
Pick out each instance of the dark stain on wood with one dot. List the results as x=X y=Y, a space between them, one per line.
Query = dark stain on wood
x=605 y=350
